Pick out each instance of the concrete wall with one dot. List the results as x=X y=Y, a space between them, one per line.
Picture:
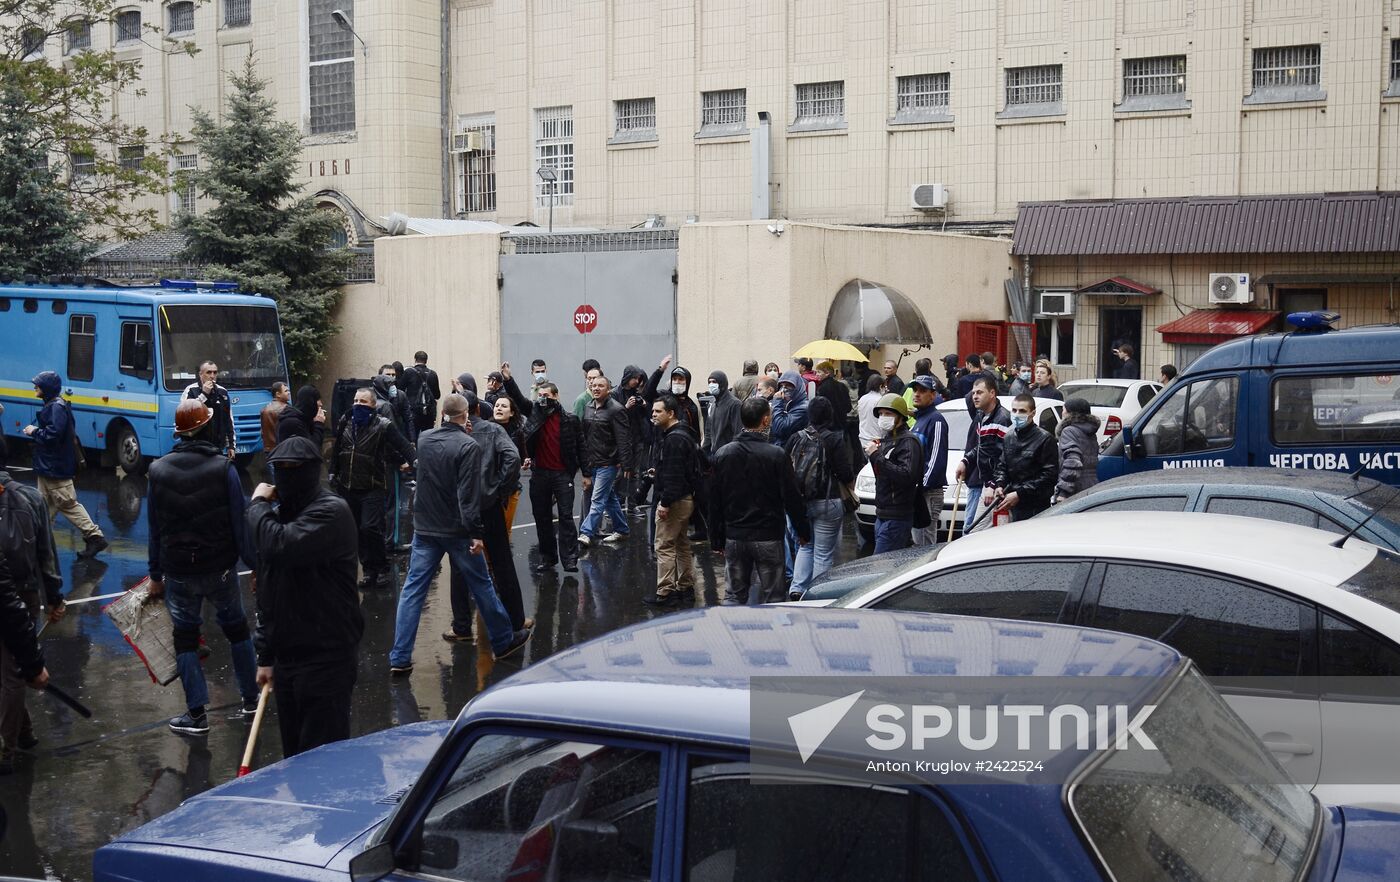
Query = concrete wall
x=435 y=293
x=1185 y=286
x=745 y=293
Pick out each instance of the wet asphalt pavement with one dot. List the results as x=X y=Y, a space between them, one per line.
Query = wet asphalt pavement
x=91 y=780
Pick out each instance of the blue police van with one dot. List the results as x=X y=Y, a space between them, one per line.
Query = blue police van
x=1315 y=398
x=127 y=354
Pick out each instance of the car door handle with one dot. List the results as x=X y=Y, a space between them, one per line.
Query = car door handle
x=1293 y=747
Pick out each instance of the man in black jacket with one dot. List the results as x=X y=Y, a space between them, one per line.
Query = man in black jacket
x=216 y=398
x=752 y=492
x=897 y=458
x=364 y=443
x=420 y=387
x=27 y=565
x=982 y=450
x=677 y=479
x=554 y=445
x=309 y=622
x=195 y=510
x=1029 y=467
x=607 y=446
x=631 y=394
x=447 y=520
x=724 y=424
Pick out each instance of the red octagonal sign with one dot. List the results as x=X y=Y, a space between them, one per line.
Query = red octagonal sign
x=585 y=319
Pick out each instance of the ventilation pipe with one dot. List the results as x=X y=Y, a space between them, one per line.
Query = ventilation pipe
x=759 y=138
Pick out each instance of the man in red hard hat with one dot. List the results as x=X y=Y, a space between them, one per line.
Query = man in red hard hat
x=195 y=508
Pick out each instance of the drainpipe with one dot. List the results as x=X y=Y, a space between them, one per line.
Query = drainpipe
x=1026 y=294
x=759 y=139
x=445 y=78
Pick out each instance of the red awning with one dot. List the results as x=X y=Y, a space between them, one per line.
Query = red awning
x=1118 y=285
x=1211 y=326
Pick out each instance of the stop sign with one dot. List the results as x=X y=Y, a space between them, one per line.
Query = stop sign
x=585 y=319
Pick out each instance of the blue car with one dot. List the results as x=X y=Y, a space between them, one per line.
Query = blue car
x=629 y=758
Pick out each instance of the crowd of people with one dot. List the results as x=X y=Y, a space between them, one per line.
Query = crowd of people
x=761 y=469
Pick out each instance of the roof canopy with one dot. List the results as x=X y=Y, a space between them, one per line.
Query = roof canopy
x=1295 y=224
x=868 y=313
x=1119 y=285
x=1210 y=326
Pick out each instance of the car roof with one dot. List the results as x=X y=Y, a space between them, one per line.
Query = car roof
x=1335 y=483
x=1369 y=345
x=1101 y=381
x=1267 y=551
x=688 y=674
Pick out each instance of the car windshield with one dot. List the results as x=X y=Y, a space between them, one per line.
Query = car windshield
x=882 y=570
x=243 y=341
x=1209 y=804
x=1384 y=501
x=1096 y=395
x=1378 y=581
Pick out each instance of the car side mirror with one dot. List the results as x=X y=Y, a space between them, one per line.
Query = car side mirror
x=1130 y=444
x=372 y=864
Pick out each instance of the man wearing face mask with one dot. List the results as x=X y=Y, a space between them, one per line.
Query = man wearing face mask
x=689 y=413
x=539 y=375
x=364 y=442
x=1021 y=380
x=554 y=444
x=725 y=423
x=390 y=403
x=309 y=622
x=1029 y=467
x=789 y=408
x=897 y=457
x=631 y=394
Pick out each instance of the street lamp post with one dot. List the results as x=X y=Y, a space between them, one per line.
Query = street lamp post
x=547 y=175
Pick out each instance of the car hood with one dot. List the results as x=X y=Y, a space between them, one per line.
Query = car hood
x=1370 y=846
x=304 y=809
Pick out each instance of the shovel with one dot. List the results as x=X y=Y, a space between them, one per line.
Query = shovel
x=247 y=765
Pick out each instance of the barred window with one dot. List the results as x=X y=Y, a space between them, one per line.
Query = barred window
x=129 y=26
x=1034 y=85
x=1162 y=75
x=131 y=158
x=1288 y=66
x=238 y=13
x=635 y=115
x=475 y=146
x=181 y=17
x=1395 y=61
x=185 y=191
x=727 y=107
x=922 y=94
x=332 y=62
x=554 y=149
x=32 y=42
x=821 y=102
x=84 y=164
x=77 y=36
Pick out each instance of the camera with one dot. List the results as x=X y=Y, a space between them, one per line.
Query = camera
x=643 y=490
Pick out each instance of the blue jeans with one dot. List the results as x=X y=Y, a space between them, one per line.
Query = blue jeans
x=892 y=535
x=423 y=559
x=604 y=502
x=814 y=558
x=184 y=599
x=974 y=498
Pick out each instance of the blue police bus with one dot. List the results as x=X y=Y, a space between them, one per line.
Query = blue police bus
x=127 y=354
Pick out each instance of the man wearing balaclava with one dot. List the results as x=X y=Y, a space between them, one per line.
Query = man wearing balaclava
x=364 y=443
x=309 y=622
x=195 y=511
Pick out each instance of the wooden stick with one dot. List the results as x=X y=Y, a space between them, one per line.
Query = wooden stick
x=253 y=735
x=957 y=497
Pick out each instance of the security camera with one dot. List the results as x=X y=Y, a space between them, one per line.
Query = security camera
x=775 y=229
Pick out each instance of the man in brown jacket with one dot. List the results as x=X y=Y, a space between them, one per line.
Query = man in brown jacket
x=271 y=413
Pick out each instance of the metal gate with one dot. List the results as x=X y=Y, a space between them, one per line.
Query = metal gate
x=626 y=279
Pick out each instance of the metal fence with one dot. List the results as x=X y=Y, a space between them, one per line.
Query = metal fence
x=360 y=269
x=617 y=240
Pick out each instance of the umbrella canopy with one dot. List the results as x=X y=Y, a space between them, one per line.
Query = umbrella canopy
x=830 y=350
x=870 y=313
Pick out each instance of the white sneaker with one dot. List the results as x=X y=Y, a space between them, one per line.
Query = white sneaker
x=615 y=537
x=584 y=540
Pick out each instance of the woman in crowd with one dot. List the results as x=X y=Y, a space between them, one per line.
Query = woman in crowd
x=508 y=418
x=1046 y=385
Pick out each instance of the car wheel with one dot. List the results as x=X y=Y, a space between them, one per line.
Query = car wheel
x=127 y=449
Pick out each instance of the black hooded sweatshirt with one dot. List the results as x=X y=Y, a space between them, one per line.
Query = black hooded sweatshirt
x=639 y=414
x=298 y=419
x=724 y=424
x=689 y=412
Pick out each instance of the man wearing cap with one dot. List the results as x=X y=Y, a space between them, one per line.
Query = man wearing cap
x=898 y=459
x=309 y=621
x=195 y=510
x=932 y=431
x=56 y=460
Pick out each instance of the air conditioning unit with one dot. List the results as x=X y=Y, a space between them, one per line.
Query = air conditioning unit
x=468 y=142
x=1231 y=288
x=928 y=197
x=1056 y=303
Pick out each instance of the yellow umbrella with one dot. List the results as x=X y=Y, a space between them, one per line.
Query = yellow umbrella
x=830 y=350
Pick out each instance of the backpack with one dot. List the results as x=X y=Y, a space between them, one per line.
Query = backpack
x=808 y=454
x=17 y=536
x=420 y=398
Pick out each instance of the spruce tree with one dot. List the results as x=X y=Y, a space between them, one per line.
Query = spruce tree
x=262 y=233
x=39 y=230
